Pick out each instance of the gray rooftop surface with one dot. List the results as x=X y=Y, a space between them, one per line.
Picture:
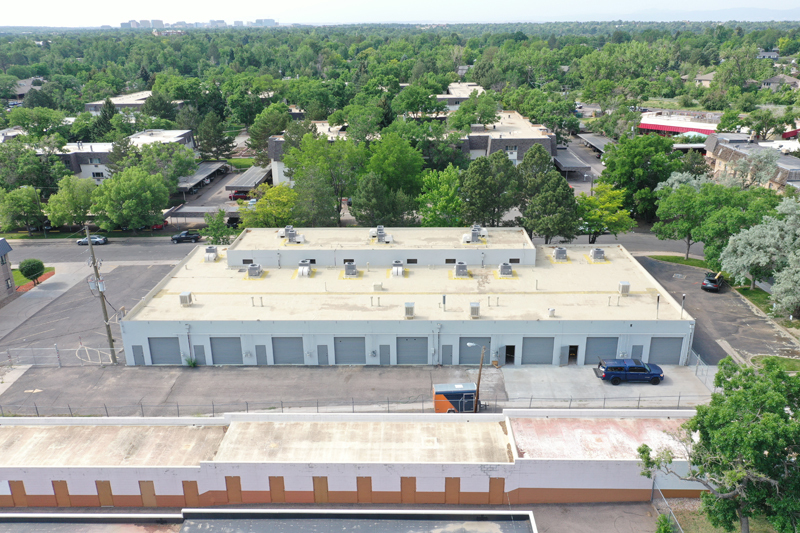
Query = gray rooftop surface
x=252 y=178
x=203 y=171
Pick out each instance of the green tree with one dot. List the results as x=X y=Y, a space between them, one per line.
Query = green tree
x=398 y=163
x=188 y=118
x=160 y=105
x=603 y=212
x=21 y=208
x=215 y=144
x=8 y=86
x=478 y=109
x=535 y=165
x=784 y=290
x=170 y=160
x=102 y=125
x=440 y=204
x=33 y=269
x=336 y=165
x=217 y=231
x=71 y=204
x=37 y=122
x=19 y=165
x=489 y=188
x=123 y=154
x=418 y=101
x=274 y=209
x=295 y=131
x=755 y=170
x=552 y=210
x=132 y=198
x=730 y=121
x=742 y=448
x=272 y=121
x=374 y=203
x=636 y=166
x=680 y=214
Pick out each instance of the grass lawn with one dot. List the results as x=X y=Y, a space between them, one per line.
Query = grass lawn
x=758 y=297
x=696 y=522
x=241 y=162
x=20 y=280
x=680 y=260
x=790 y=365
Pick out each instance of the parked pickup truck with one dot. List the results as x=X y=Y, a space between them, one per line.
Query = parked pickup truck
x=186 y=236
x=618 y=370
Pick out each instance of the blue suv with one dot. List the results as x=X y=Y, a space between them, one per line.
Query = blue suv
x=618 y=370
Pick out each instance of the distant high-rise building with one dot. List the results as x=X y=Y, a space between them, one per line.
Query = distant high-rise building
x=265 y=22
x=238 y=23
x=133 y=24
x=157 y=23
x=125 y=25
x=144 y=23
x=179 y=24
x=216 y=24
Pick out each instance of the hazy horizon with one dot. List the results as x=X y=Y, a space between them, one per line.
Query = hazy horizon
x=94 y=13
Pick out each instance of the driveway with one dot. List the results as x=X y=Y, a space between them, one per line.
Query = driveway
x=724 y=321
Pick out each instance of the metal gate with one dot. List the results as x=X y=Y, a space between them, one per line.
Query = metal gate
x=386 y=354
x=447 y=354
x=200 y=355
x=665 y=350
x=138 y=355
x=350 y=351
x=412 y=350
x=165 y=350
x=600 y=348
x=261 y=355
x=537 y=350
x=287 y=350
x=226 y=350
x=471 y=355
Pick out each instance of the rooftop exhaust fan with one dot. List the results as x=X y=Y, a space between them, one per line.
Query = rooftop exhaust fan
x=397 y=268
x=304 y=268
x=409 y=310
x=186 y=299
x=624 y=288
x=474 y=310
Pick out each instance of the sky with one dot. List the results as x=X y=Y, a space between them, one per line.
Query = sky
x=100 y=12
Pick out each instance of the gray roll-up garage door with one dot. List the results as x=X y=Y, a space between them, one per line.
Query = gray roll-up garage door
x=665 y=350
x=412 y=350
x=165 y=351
x=350 y=351
x=600 y=348
x=537 y=350
x=138 y=355
x=287 y=350
x=226 y=350
x=471 y=355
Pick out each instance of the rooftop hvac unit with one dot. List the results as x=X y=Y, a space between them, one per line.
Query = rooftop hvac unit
x=350 y=270
x=290 y=233
x=461 y=270
x=211 y=258
x=475 y=234
x=304 y=268
x=254 y=270
x=597 y=254
x=186 y=299
x=551 y=312
x=560 y=253
x=474 y=310
x=380 y=234
x=624 y=288
x=211 y=250
x=409 y=310
x=397 y=268
x=505 y=270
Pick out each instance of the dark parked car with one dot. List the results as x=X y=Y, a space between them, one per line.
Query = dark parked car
x=186 y=236
x=618 y=370
x=712 y=282
x=96 y=239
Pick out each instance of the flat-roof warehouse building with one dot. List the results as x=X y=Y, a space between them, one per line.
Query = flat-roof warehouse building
x=395 y=296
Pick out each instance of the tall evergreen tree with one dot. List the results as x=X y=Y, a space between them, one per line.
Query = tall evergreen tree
x=553 y=210
x=215 y=144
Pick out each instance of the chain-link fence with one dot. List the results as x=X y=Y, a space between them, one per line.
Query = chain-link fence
x=58 y=356
x=418 y=404
x=662 y=506
x=703 y=371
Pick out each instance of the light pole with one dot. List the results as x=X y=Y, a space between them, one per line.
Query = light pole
x=101 y=289
x=480 y=371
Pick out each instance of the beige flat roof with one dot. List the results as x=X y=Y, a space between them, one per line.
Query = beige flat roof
x=577 y=290
x=591 y=438
x=365 y=442
x=359 y=239
x=108 y=445
x=512 y=126
x=152 y=136
x=463 y=89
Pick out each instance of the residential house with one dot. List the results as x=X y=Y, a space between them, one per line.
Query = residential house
x=704 y=80
x=27 y=85
x=458 y=93
x=768 y=54
x=724 y=149
x=776 y=82
x=133 y=101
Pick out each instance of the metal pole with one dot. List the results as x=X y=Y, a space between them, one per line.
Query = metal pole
x=102 y=299
x=478 y=388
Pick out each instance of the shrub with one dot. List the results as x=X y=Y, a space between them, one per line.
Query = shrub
x=31 y=269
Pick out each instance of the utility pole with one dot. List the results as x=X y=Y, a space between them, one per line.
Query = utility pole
x=102 y=289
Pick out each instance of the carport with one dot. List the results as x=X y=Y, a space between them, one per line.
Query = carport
x=252 y=178
x=597 y=143
x=199 y=211
x=205 y=171
x=566 y=162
